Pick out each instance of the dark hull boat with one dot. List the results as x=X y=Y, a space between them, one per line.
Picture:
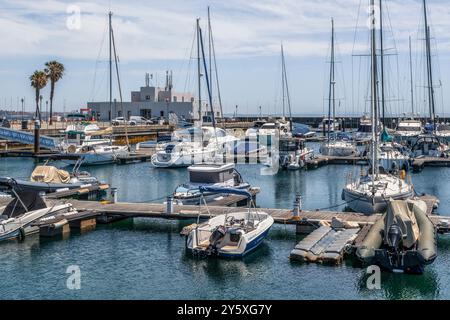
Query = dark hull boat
x=403 y=240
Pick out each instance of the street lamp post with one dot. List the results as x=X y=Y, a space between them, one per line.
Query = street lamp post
x=22 y=100
x=40 y=108
x=167 y=110
x=46 y=112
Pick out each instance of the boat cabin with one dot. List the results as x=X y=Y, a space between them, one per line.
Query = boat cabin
x=211 y=173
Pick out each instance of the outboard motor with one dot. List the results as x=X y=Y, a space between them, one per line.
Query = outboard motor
x=216 y=236
x=394 y=237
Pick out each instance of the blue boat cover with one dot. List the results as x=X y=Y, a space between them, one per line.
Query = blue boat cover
x=240 y=192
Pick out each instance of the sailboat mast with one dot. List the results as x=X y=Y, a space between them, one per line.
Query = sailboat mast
x=411 y=77
x=282 y=79
x=199 y=75
x=110 y=66
x=383 y=108
x=286 y=86
x=429 y=66
x=210 y=50
x=374 y=95
x=331 y=92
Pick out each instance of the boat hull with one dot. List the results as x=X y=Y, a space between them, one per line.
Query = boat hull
x=367 y=205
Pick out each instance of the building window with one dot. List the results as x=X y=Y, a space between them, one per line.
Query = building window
x=161 y=113
x=128 y=114
x=147 y=97
x=174 y=98
x=119 y=113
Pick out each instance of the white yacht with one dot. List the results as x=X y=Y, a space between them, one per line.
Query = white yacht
x=230 y=235
x=443 y=131
x=80 y=135
x=364 y=133
x=393 y=157
x=338 y=148
x=369 y=194
x=429 y=145
x=200 y=146
x=97 y=154
x=332 y=123
x=214 y=175
x=408 y=130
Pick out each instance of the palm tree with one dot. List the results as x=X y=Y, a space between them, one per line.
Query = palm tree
x=55 y=72
x=38 y=81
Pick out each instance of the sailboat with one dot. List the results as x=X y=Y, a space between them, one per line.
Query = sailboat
x=392 y=156
x=209 y=143
x=334 y=147
x=429 y=144
x=409 y=128
x=369 y=193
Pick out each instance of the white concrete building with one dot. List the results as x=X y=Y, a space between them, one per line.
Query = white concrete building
x=151 y=102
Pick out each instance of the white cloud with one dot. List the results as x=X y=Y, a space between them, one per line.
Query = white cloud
x=164 y=29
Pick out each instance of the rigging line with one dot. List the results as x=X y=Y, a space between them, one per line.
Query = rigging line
x=219 y=96
x=97 y=61
x=120 y=88
x=188 y=74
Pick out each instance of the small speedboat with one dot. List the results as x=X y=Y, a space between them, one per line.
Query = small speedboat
x=338 y=148
x=231 y=235
x=429 y=145
x=404 y=239
x=213 y=175
x=48 y=179
x=98 y=154
x=25 y=208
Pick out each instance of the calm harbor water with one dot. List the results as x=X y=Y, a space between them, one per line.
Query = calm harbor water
x=145 y=259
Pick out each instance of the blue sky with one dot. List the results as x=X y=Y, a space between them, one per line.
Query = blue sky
x=156 y=35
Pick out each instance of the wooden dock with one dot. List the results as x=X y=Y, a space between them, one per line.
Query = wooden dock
x=322 y=160
x=418 y=164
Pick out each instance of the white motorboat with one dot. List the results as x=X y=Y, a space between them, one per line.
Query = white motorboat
x=332 y=123
x=203 y=146
x=369 y=194
x=429 y=145
x=443 y=131
x=269 y=129
x=213 y=175
x=98 y=154
x=338 y=148
x=292 y=154
x=408 y=130
x=81 y=135
x=231 y=235
x=25 y=208
x=364 y=133
x=393 y=157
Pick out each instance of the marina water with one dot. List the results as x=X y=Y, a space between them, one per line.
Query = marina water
x=146 y=259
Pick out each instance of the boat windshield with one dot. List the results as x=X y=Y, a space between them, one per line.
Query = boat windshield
x=408 y=128
x=170 y=148
x=443 y=127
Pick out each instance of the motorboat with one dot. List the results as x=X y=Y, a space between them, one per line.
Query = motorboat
x=97 y=154
x=443 y=132
x=408 y=130
x=230 y=235
x=46 y=178
x=338 y=148
x=183 y=154
x=332 y=123
x=364 y=132
x=214 y=175
x=404 y=239
x=292 y=154
x=25 y=208
x=429 y=145
x=201 y=145
x=270 y=129
x=302 y=131
x=393 y=157
x=81 y=135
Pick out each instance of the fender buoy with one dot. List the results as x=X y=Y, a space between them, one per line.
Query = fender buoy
x=21 y=235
